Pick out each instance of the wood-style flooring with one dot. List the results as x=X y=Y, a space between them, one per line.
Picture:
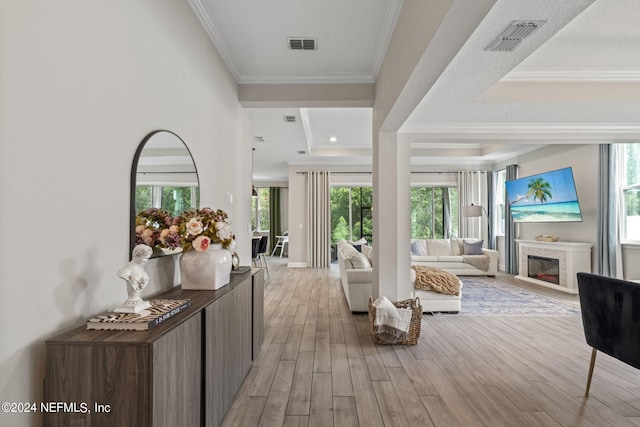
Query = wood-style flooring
x=319 y=367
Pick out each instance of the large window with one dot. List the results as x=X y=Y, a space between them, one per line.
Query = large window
x=260 y=210
x=434 y=212
x=351 y=217
x=630 y=189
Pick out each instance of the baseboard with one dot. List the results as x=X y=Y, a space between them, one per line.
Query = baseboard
x=297 y=264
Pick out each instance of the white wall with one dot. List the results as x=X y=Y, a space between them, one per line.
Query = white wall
x=81 y=84
x=583 y=159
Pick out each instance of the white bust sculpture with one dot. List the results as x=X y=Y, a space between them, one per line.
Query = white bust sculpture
x=137 y=278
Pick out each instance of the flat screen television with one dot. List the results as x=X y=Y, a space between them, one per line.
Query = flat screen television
x=545 y=197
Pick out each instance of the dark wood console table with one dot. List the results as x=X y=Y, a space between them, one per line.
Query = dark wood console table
x=184 y=372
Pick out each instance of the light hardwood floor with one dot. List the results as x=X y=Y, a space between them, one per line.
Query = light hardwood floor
x=319 y=367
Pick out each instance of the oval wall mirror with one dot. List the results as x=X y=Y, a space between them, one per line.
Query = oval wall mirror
x=163 y=176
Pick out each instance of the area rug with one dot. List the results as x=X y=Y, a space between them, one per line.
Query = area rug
x=487 y=296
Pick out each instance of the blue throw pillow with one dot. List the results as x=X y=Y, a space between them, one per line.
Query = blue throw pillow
x=473 y=248
x=416 y=249
x=358 y=247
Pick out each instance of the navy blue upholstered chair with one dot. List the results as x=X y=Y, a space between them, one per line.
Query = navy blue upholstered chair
x=611 y=318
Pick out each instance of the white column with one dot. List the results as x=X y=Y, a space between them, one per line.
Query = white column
x=391 y=210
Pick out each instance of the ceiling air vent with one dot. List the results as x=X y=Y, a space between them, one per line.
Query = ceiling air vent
x=302 y=43
x=259 y=138
x=290 y=119
x=513 y=35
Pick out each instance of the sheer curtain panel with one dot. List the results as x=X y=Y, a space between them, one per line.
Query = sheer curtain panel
x=319 y=221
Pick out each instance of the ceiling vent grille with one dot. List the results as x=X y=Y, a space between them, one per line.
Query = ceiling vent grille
x=259 y=139
x=300 y=43
x=513 y=35
x=290 y=119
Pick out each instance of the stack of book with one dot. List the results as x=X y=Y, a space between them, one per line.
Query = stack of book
x=160 y=310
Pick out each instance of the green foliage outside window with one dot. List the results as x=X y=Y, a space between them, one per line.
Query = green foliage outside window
x=260 y=209
x=174 y=200
x=351 y=217
x=428 y=219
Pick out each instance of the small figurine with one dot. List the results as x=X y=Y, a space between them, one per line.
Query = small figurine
x=137 y=278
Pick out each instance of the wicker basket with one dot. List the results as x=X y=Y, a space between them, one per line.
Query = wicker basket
x=414 y=325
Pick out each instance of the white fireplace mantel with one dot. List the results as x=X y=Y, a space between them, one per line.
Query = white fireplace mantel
x=574 y=257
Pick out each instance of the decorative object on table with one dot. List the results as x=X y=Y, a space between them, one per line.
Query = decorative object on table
x=137 y=278
x=159 y=310
x=412 y=334
x=235 y=261
x=241 y=269
x=547 y=238
x=206 y=240
x=159 y=230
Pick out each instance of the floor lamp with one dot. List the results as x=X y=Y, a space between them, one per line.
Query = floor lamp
x=475 y=211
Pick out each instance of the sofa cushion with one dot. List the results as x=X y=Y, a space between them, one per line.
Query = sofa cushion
x=439 y=247
x=457 y=246
x=473 y=248
x=450 y=258
x=368 y=252
x=359 y=261
x=425 y=258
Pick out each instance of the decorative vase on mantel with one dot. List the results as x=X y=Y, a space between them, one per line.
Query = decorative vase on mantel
x=205 y=271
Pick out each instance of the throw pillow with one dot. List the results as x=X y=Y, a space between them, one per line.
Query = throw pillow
x=416 y=249
x=358 y=247
x=368 y=252
x=473 y=248
x=362 y=241
x=348 y=250
x=360 y=261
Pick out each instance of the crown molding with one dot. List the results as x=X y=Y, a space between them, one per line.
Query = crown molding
x=210 y=28
x=524 y=128
x=605 y=76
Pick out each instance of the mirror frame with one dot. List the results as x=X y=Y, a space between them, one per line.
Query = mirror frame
x=134 y=176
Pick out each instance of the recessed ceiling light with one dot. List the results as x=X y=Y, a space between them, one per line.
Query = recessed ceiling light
x=333 y=140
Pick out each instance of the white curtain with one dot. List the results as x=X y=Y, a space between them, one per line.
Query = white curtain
x=472 y=190
x=319 y=221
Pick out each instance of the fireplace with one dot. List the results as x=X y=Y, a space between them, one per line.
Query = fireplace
x=543 y=268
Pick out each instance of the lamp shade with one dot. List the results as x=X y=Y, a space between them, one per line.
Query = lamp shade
x=472 y=211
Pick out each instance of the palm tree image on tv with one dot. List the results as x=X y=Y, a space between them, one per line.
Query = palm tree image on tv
x=546 y=197
x=539 y=189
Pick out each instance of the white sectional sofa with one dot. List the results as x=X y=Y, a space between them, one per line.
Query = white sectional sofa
x=462 y=257
x=356 y=274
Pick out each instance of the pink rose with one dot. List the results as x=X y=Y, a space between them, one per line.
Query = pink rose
x=194 y=227
x=201 y=243
x=206 y=211
x=174 y=229
x=140 y=229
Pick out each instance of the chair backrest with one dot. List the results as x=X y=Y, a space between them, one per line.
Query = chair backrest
x=255 y=243
x=611 y=316
x=285 y=236
x=262 y=248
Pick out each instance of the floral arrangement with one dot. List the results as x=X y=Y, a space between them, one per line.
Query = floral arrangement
x=195 y=228
x=201 y=227
x=152 y=228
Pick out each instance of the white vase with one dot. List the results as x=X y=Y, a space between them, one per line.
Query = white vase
x=205 y=271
